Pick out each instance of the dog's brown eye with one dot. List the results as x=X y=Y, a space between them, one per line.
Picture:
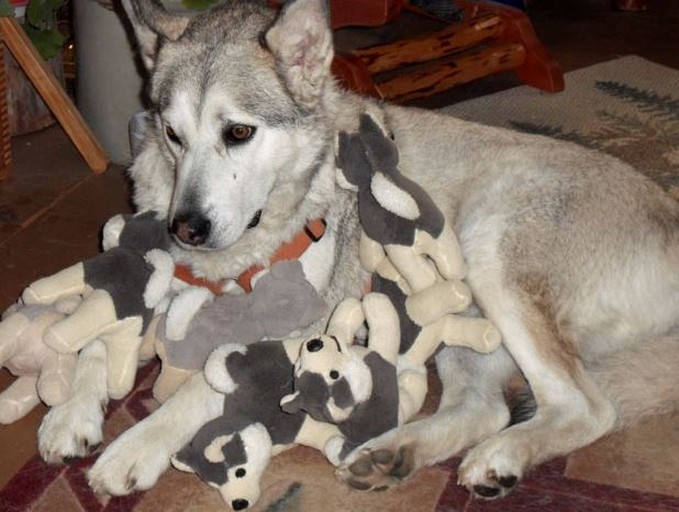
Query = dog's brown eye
x=334 y=374
x=171 y=135
x=239 y=133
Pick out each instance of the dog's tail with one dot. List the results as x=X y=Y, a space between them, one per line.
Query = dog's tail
x=641 y=381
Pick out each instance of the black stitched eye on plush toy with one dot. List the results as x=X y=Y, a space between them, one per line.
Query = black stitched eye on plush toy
x=314 y=345
x=334 y=374
x=240 y=473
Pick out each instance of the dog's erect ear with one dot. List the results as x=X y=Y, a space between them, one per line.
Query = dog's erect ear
x=301 y=41
x=152 y=23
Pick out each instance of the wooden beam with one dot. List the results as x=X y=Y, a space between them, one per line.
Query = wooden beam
x=455 y=37
x=444 y=74
x=53 y=94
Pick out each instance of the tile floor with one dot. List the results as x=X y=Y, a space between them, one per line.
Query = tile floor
x=52 y=207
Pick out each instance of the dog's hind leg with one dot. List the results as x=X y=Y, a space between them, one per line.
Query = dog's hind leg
x=135 y=460
x=472 y=408
x=74 y=428
x=571 y=410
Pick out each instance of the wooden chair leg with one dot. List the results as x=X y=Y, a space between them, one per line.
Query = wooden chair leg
x=42 y=78
x=5 y=137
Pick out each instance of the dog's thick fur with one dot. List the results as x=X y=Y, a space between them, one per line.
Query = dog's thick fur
x=571 y=253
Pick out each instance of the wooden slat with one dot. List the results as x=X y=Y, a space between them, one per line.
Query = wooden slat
x=442 y=75
x=454 y=38
x=5 y=137
x=53 y=94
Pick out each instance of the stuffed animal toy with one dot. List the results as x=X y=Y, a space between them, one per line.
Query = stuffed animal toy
x=399 y=219
x=120 y=289
x=416 y=262
x=282 y=301
x=43 y=373
x=367 y=390
x=232 y=451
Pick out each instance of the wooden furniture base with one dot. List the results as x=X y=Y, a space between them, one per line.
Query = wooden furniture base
x=491 y=38
x=44 y=81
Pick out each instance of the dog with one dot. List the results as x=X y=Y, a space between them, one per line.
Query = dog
x=571 y=253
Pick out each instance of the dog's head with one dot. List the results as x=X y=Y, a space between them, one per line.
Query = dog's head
x=233 y=463
x=330 y=379
x=240 y=121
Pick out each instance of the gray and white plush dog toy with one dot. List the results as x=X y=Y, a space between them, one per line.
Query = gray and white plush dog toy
x=402 y=226
x=119 y=288
x=417 y=294
x=232 y=451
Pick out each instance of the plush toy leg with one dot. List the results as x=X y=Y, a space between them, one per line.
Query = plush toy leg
x=10 y=332
x=170 y=378
x=316 y=434
x=122 y=349
x=416 y=270
x=56 y=377
x=346 y=319
x=412 y=388
x=370 y=252
x=18 y=400
x=147 y=350
x=383 y=324
x=445 y=251
x=96 y=314
x=183 y=309
x=444 y=297
x=476 y=333
x=70 y=281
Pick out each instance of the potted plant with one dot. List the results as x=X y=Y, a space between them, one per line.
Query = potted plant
x=27 y=111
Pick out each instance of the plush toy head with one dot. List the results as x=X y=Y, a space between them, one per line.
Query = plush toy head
x=233 y=463
x=141 y=232
x=331 y=379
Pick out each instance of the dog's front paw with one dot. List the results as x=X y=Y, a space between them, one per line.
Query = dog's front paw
x=133 y=462
x=71 y=430
x=489 y=471
x=380 y=463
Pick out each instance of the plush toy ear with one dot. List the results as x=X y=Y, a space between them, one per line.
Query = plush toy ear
x=112 y=229
x=152 y=23
x=301 y=41
x=292 y=403
x=216 y=367
x=183 y=460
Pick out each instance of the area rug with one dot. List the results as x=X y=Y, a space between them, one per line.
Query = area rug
x=628 y=107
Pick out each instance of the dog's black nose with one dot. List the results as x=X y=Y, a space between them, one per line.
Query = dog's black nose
x=191 y=228
x=314 y=345
x=240 y=504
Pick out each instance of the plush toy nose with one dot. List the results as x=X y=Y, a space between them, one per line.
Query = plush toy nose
x=191 y=228
x=314 y=345
x=240 y=504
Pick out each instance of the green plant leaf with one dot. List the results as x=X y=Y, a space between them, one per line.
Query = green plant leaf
x=48 y=42
x=6 y=8
x=41 y=13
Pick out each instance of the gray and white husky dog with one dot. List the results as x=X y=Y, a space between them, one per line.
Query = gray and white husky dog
x=571 y=253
